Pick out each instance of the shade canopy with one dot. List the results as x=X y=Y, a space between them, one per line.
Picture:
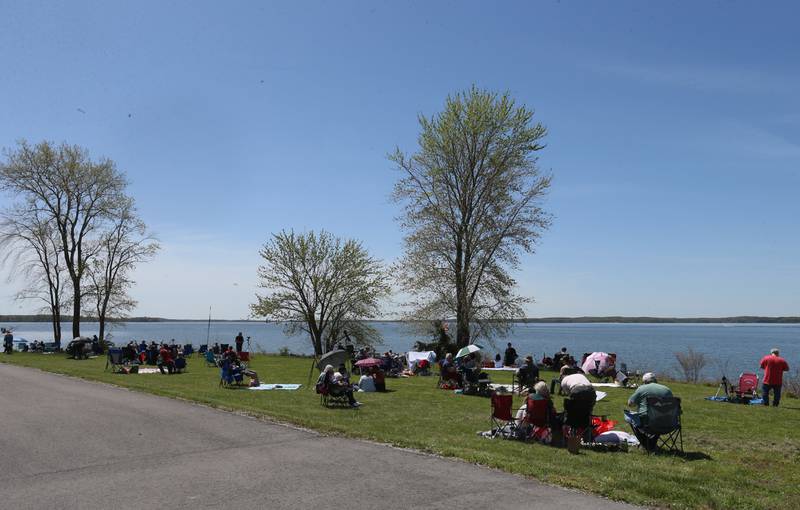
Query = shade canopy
x=334 y=358
x=596 y=361
x=465 y=351
x=369 y=362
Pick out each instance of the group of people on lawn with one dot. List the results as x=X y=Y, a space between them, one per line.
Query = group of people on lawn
x=337 y=382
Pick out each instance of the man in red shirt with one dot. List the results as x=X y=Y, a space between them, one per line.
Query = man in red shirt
x=166 y=359
x=774 y=366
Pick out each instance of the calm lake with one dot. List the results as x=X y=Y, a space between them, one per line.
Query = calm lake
x=730 y=347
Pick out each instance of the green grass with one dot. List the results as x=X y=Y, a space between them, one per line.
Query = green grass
x=736 y=456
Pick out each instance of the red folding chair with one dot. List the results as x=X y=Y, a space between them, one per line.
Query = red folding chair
x=244 y=356
x=503 y=422
x=748 y=386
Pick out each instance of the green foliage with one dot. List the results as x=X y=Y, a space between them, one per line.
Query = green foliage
x=471 y=200
x=322 y=285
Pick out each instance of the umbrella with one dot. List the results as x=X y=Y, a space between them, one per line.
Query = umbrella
x=334 y=358
x=464 y=351
x=369 y=362
x=589 y=364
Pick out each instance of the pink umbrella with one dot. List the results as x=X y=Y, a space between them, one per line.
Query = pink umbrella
x=369 y=362
x=590 y=365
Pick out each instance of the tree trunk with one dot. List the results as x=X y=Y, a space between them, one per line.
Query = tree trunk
x=56 y=320
x=76 y=308
x=102 y=321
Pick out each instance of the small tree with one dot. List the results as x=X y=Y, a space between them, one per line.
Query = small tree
x=322 y=285
x=471 y=198
x=31 y=245
x=121 y=247
x=691 y=363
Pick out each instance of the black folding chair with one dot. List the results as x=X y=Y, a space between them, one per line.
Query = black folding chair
x=115 y=360
x=664 y=422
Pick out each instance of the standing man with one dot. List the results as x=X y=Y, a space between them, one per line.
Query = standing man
x=774 y=366
x=510 y=355
x=8 y=342
x=239 y=342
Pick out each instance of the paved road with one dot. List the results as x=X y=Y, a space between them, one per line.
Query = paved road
x=67 y=443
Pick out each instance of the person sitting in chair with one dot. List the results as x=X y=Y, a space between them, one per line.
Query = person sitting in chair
x=528 y=373
x=638 y=403
x=335 y=388
x=449 y=370
x=540 y=414
x=165 y=359
x=560 y=358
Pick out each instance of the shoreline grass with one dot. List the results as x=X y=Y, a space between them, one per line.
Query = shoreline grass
x=737 y=456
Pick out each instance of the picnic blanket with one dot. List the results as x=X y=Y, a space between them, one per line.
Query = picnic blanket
x=148 y=370
x=288 y=387
x=504 y=369
x=753 y=402
x=606 y=385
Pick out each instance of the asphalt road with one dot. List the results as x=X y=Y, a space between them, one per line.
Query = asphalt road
x=67 y=443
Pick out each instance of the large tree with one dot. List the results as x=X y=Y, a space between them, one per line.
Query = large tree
x=29 y=242
x=471 y=199
x=78 y=196
x=123 y=244
x=321 y=285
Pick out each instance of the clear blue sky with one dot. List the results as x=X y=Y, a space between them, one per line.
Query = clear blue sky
x=674 y=135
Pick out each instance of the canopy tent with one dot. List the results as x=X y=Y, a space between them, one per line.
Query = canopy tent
x=413 y=357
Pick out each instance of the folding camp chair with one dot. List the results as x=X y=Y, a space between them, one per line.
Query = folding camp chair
x=180 y=365
x=225 y=373
x=662 y=425
x=747 y=389
x=114 y=360
x=539 y=416
x=211 y=360
x=244 y=356
x=329 y=397
x=577 y=420
x=188 y=350
x=202 y=350
x=503 y=423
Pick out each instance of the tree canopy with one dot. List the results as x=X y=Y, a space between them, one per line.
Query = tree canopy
x=472 y=202
x=322 y=285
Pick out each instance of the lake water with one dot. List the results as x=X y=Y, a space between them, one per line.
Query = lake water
x=730 y=347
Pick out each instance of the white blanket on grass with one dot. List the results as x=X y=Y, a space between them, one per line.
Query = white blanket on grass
x=290 y=387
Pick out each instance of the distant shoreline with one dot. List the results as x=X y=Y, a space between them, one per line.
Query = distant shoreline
x=743 y=319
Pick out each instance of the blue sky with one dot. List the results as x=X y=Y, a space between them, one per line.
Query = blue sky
x=674 y=135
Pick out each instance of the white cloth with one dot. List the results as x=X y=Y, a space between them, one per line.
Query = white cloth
x=573 y=381
x=366 y=384
x=414 y=356
x=616 y=437
x=498 y=364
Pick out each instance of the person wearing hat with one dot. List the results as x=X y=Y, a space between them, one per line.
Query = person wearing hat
x=638 y=402
x=649 y=388
x=774 y=366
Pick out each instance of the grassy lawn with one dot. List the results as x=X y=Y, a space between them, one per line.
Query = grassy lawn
x=737 y=456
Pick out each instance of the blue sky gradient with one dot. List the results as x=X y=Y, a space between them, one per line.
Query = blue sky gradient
x=674 y=135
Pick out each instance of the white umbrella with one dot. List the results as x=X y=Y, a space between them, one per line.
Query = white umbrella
x=465 y=351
